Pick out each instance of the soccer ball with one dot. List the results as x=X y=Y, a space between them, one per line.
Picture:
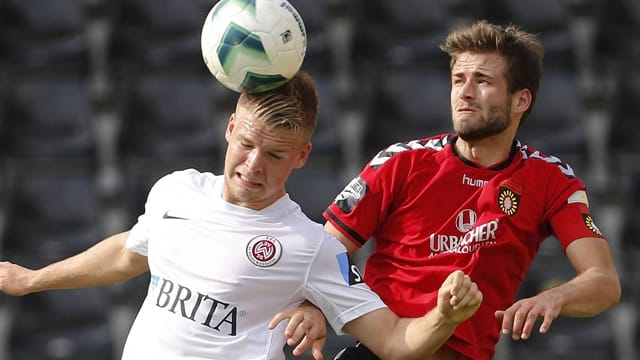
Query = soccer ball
x=253 y=45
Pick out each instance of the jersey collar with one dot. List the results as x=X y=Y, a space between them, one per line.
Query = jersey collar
x=499 y=166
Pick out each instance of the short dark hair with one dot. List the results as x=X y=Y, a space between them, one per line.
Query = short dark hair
x=522 y=50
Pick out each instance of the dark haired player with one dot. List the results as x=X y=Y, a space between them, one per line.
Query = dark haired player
x=477 y=200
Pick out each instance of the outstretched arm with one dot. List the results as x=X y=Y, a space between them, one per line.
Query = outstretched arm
x=390 y=337
x=107 y=262
x=595 y=288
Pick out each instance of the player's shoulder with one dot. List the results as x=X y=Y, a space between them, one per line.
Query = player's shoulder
x=305 y=234
x=423 y=147
x=540 y=160
x=298 y=222
x=187 y=178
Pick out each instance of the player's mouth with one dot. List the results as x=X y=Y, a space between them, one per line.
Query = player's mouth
x=248 y=182
x=466 y=109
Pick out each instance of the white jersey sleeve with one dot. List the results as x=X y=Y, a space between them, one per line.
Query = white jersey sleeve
x=336 y=286
x=160 y=195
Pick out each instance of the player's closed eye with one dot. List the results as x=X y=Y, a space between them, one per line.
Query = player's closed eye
x=276 y=156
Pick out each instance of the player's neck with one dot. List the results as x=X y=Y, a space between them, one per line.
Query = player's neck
x=485 y=152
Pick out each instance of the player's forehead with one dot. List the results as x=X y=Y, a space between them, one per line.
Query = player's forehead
x=252 y=128
x=478 y=63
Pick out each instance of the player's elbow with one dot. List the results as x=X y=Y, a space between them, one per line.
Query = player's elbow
x=613 y=289
x=610 y=294
x=614 y=293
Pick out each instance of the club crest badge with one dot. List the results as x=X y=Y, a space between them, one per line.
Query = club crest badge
x=264 y=250
x=509 y=197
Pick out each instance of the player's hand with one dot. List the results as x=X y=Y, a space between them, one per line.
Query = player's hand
x=520 y=318
x=13 y=279
x=458 y=297
x=307 y=327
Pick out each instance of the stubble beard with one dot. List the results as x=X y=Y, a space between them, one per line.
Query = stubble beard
x=495 y=122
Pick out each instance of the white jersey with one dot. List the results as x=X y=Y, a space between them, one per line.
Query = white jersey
x=220 y=272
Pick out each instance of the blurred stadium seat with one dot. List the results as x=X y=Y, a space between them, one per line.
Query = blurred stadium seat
x=50 y=216
x=169 y=114
x=314 y=188
x=327 y=137
x=391 y=34
x=556 y=124
x=61 y=325
x=624 y=109
x=617 y=36
x=157 y=32
x=630 y=227
x=45 y=32
x=550 y=19
x=619 y=53
x=47 y=114
x=317 y=21
x=406 y=102
x=630 y=258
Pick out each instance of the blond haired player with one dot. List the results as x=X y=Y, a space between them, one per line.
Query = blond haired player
x=228 y=252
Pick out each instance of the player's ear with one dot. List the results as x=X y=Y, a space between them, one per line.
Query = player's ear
x=230 y=126
x=303 y=155
x=522 y=100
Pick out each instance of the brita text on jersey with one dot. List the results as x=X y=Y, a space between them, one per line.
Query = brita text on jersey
x=195 y=306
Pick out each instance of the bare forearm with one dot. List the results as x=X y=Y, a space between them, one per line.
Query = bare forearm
x=597 y=285
x=589 y=293
x=419 y=339
x=391 y=337
x=107 y=262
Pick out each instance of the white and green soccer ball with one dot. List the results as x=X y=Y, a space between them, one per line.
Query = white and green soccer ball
x=253 y=45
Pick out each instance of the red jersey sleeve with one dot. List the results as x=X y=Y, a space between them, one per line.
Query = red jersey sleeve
x=568 y=212
x=360 y=208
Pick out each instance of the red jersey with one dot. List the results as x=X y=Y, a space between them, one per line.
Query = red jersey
x=430 y=212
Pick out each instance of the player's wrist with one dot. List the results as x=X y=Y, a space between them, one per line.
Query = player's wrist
x=445 y=318
x=35 y=280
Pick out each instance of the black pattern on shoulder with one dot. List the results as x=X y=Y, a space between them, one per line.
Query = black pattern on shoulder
x=528 y=153
x=434 y=143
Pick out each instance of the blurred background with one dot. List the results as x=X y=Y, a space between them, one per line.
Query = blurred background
x=99 y=98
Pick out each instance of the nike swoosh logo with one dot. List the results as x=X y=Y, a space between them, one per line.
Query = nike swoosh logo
x=167 y=216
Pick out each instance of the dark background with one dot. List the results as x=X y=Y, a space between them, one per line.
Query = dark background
x=99 y=98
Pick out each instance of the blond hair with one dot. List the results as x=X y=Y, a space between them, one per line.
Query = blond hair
x=293 y=105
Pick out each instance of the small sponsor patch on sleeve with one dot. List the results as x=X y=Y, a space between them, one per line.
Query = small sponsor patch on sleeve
x=579 y=196
x=351 y=195
x=350 y=272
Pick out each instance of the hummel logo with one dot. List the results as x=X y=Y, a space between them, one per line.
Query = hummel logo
x=167 y=216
